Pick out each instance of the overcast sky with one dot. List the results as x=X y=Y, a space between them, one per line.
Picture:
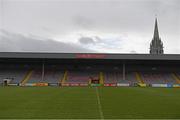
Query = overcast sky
x=102 y=26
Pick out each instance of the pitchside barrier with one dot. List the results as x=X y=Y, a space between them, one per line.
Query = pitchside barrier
x=27 y=84
x=123 y=84
x=34 y=84
x=41 y=84
x=162 y=85
x=13 y=84
x=110 y=84
x=65 y=84
x=176 y=85
x=83 y=84
x=169 y=85
x=53 y=84
x=74 y=84
x=95 y=85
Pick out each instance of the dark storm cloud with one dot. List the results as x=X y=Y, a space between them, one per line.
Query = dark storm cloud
x=18 y=43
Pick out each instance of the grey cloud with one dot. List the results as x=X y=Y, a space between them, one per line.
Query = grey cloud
x=98 y=38
x=103 y=44
x=133 y=52
x=100 y=15
x=86 y=40
x=12 y=42
x=83 y=22
x=57 y=18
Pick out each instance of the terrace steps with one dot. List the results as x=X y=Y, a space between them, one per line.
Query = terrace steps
x=138 y=78
x=176 y=77
x=64 y=77
x=101 y=76
x=27 y=77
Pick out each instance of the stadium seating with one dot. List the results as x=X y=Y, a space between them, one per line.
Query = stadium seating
x=130 y=78
x=112 y=77
x=35 y=77
x=52 y=76
x=14 y=75
x=178 y=74
x=157 y=78
x=80 y=76
x=117 y=77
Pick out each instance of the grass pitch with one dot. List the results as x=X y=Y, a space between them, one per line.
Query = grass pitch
x=89 y=102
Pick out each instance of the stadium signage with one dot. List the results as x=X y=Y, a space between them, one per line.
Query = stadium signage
x=110 y=84
x=95 y=85
x=65 y=84
x=83 y=84
x=13 y=84
x=74 y=84
x=159 y=85
x=176 y=85
x=41 y=84
x=123 y=84
x=28 y=84
x=91 y=56
x=53 y=84
x=34 y=84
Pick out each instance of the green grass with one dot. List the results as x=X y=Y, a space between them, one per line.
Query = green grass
x=83 y=102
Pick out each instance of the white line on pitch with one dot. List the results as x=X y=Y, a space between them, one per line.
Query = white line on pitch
x=99 y=104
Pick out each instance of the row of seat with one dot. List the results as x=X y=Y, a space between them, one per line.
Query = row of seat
x=55 y=76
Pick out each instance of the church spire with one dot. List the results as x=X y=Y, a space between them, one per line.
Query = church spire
x=156 y=32
x=156 y=46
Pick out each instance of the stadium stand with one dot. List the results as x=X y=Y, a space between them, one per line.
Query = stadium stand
x=112 y=76
x=89 y=68
x=52 y=76
x=178 y=74
x=139 y=78
x=157 y=78
x=130 y=78
x=26 y=77
x=176 y=77
x=35 y=77
x=13 y=75
x=80 y=76
x=117 y=77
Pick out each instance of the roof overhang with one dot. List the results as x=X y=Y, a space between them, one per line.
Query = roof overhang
x=30 y=55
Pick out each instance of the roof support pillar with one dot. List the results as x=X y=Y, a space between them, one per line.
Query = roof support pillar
x=124 y=70
x=42 y=77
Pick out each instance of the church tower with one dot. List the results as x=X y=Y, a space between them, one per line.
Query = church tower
x=156 y=45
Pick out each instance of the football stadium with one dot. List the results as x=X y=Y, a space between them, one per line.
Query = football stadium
x=87 y=85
